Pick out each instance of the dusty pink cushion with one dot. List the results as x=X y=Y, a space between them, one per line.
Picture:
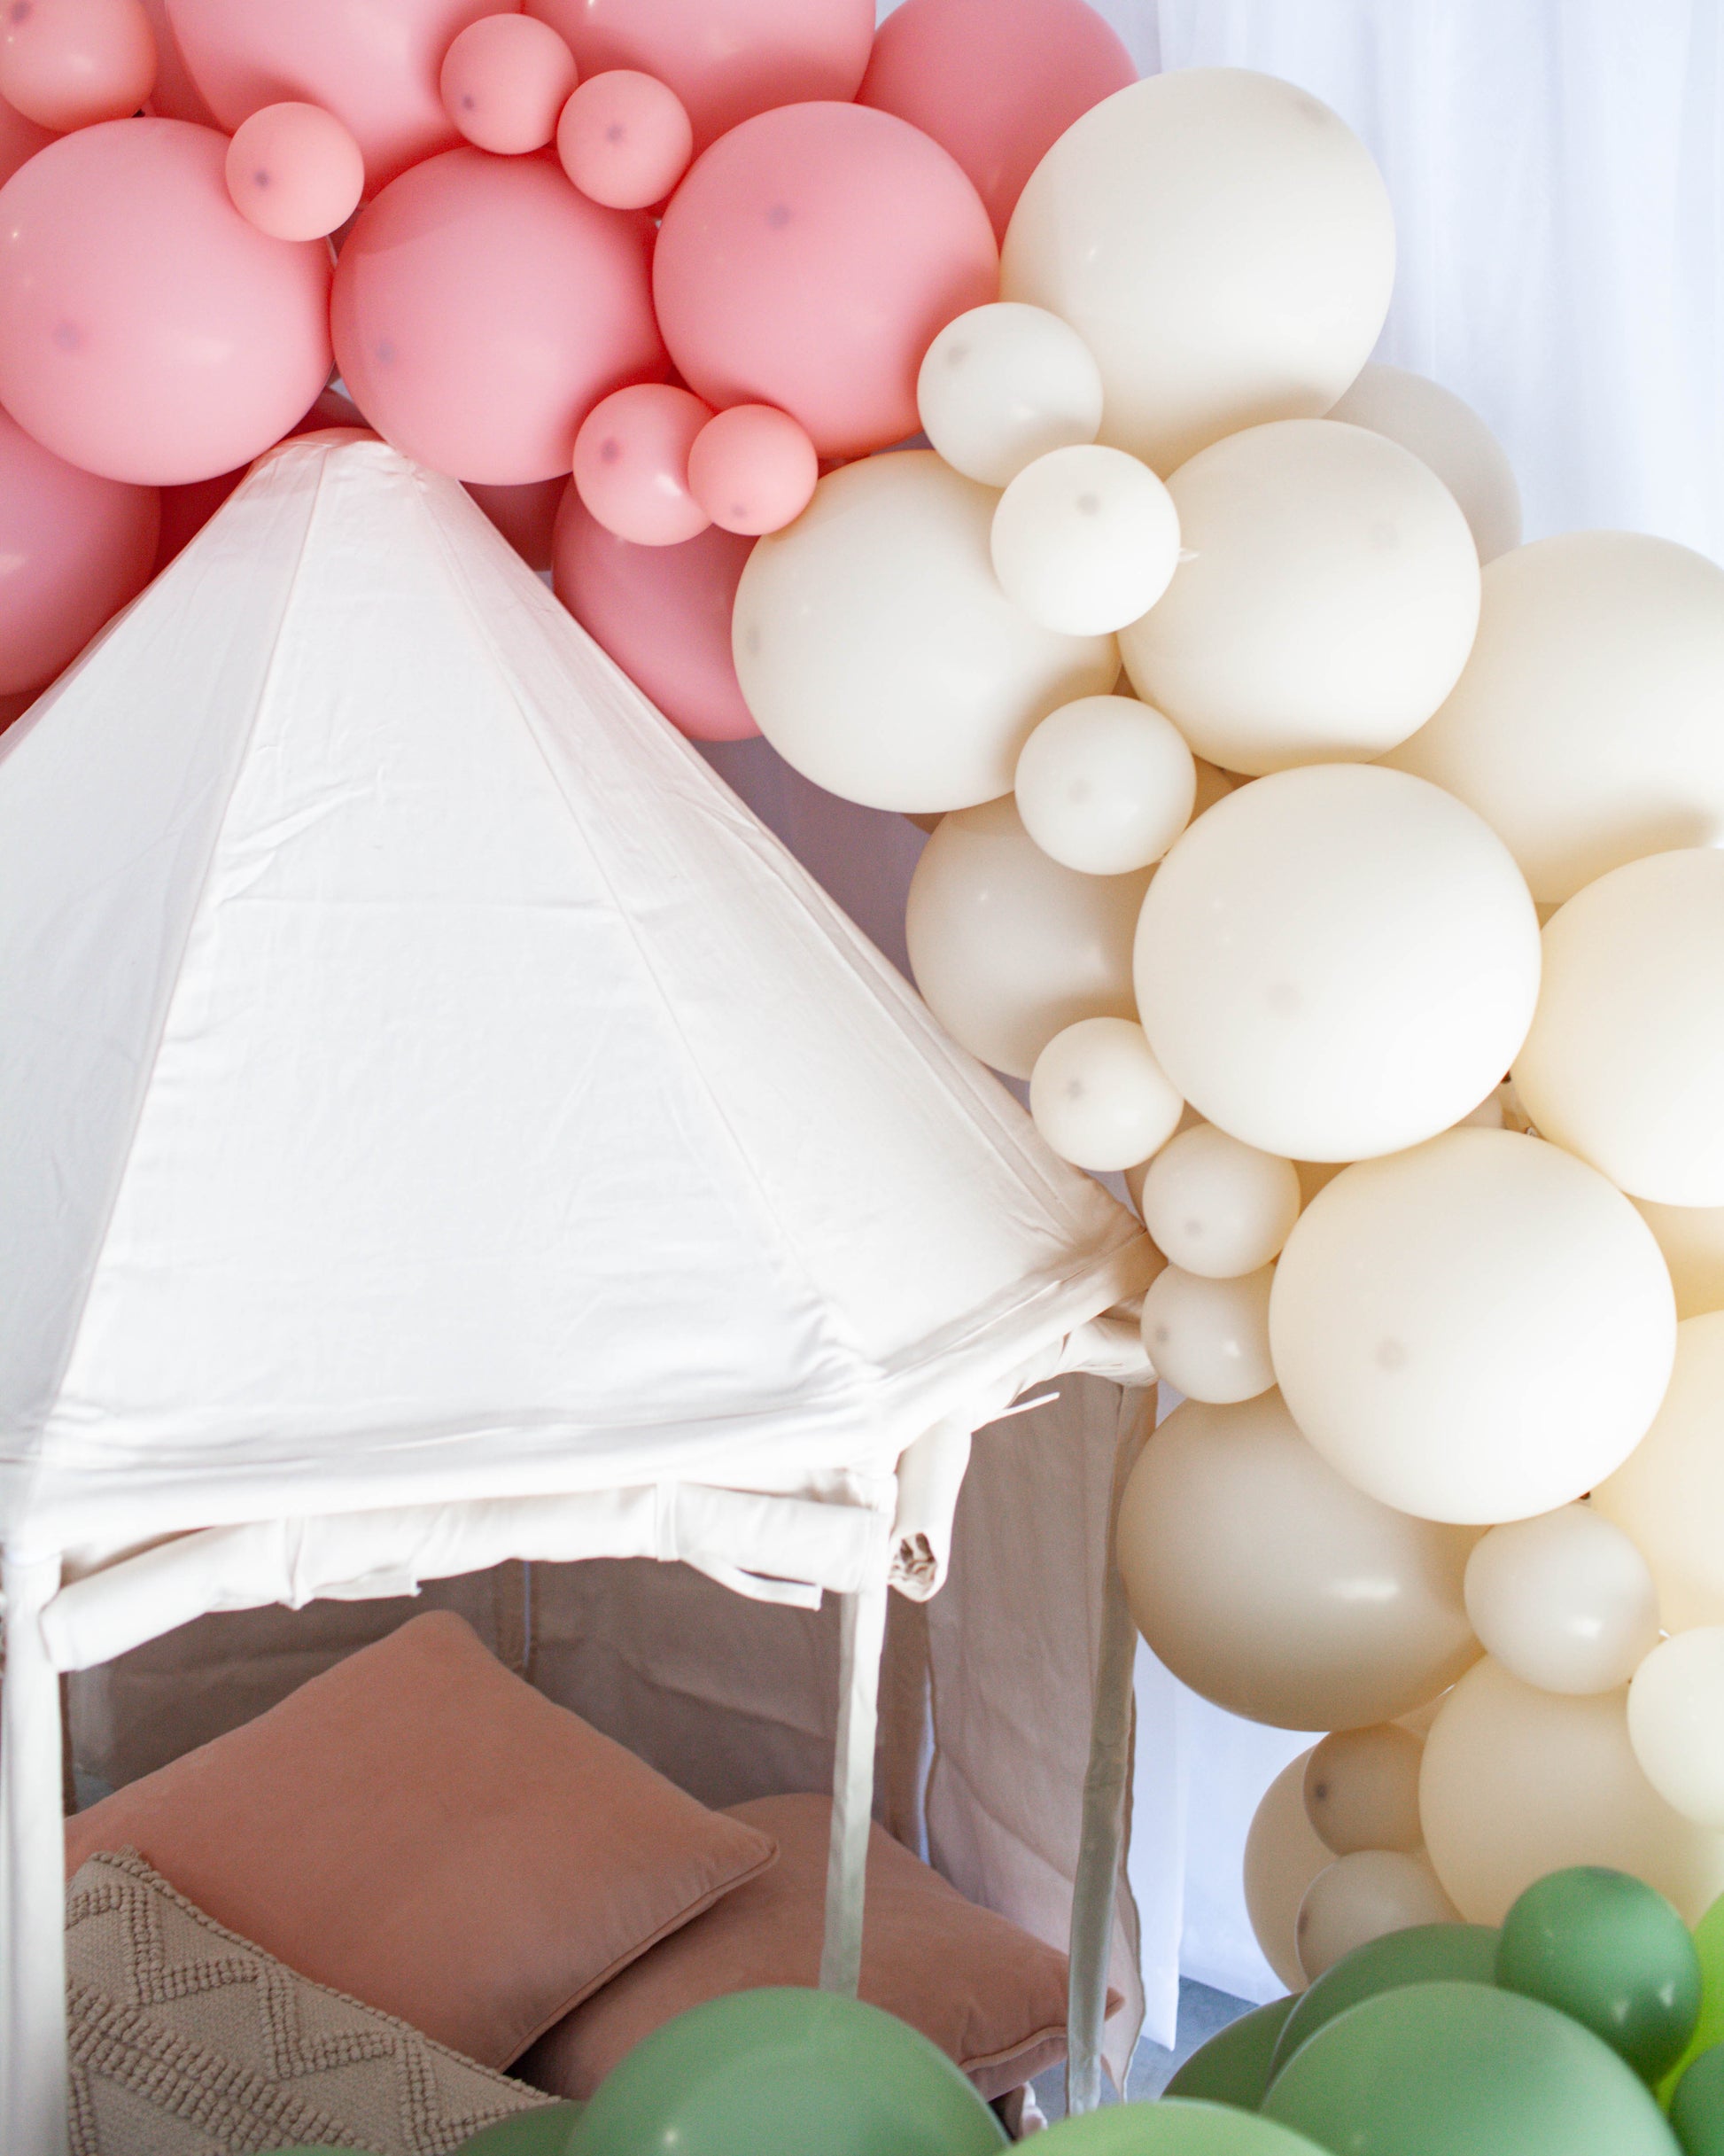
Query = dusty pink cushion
x=418 y=1828
x=990 y=1995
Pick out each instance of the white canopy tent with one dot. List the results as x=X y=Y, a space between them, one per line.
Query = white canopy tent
x=442 y=1126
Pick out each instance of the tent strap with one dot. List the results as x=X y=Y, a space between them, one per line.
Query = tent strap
x=862 y=1618
x=33 y=2056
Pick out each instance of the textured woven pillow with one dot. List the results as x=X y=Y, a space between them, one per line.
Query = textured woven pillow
x=187 y=2040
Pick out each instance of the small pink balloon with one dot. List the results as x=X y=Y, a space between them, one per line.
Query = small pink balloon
x=147 y=332
x=810 y=259
x=525 y=515
x=625 y=139
x=662 y=613
x=295 y=172
x=74 y=550
x=631 y=463
x=726 y=59
x=752 y=469
x=505 y=78
x=19 y=140
x=483 y=307
x=175 y=96
x=995 y=82
x=70 y=62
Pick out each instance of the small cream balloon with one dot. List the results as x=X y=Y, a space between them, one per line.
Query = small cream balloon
x=1447 y=435
x=1282 y=1856
x=1209 y=1338
x=1002 y=385
x=1085 y=539
x=1363 y=1896
x=1100 y=1097
x=1361 y=1789
x=1676 y=1723
x=1564 y=1601
x=1106 y=785
x=1668 y=1497
x=1217 y=1206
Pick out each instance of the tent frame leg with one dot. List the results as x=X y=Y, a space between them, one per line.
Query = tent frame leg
x=33 y=2047
x=862 y=1638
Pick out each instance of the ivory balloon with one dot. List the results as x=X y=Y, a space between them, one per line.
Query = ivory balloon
x=1223 y=245
x=1282 y=1857
x=1584 y=728
x=1004 y=384
x=1668 y=1495
x=1625 y=1061
x=1216 y=1206
x=1105 y=784
x=1209 y=1338
x=1325 y=605
x=1447 y=435
x=1273 y=1588
x=1564 y=1601
x=1100 y=1097
x=1085 y=539
x=878 y=652
x=1480 y=1329
x=1007 y=948
x=1334 y=963
x=1692 y=1240
x=1676 y=1723
x=1516 y=1783
x=1361 y=1789
x=1361 y=1897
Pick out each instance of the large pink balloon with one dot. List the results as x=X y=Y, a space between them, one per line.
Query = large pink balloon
x=175 y=96
x=373 y=63
x=726 y=59
x=662 y=613
x=74 y=550
x=809 y=260
x=995 y=82
x=525 y=515
x=147 y=332
x=483 y=307
x=19 y=140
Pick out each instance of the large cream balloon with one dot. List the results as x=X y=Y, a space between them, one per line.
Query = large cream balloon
x=877 y=651
x=1217 y=1207
x=1516 y=1783
x=1222 y=244
x=1668 y=1497
x=1448 y=436
x=1007 y=948
x=1209 y=1338
x=1363 y=1896
x=1273 y=1588
x=1625 y=1061
x=1105 y=784
x=1325 y=605
x=1564 y=1601
x=1480 y=1329
x=1336 y=963
x=1584 y=728
x=1361 y=1789
x=1676 y=1723
x=1002 y=385
x=1692 y=1240
x=1282 y=1856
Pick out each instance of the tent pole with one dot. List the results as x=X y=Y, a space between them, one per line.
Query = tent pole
x=33 y=2058
x=1103 y=1830
x=861 y=1639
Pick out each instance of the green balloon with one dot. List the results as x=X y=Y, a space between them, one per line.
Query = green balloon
x=1423 y=1954
x=1233 y=2067
x=1457 y=2069
x=1696 y=2109
x=546 y=2131
x=1609 y=1950
x=1171 y=2128
x=786 y=2072
x=1709 y=2029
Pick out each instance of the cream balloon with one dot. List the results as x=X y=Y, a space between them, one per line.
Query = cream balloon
x=1282 y=1856
x=1625 y=1061
x=1222 y=244
x=1516 y=1782
x=1692 y=1240
x=1564 y=1601
x=1361 y=1789
x=1325 y=605
x=1363 y=1896
x=1209 y=1338
x=1273 y=1588
x=877 y=651
x=1668 y=1497
x=1100 y=1097
x=1106 y=785
x=1584 y=728
x=1002 y=386
x=1216 y=1206
x=1085 y=539
x=1448 y=436
x=1336 y=963
x=1007 y=948
x=1676 y=1723
x=1477 y=1330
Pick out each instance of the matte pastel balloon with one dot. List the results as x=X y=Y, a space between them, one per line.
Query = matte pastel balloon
x=1566 y=1601
x=71 y=63
x=1668 y=1495
x=662 y=613
x=1676 y=1722
x=1004 y=384
x=1105 y=784
x=809 y=260
x=1085 y=540
x=74 y=550
x=726 y=59
x=19 y=140
x=175 y=96
x=1366 y=1896
x=1709 y=2030
x=1209 y=1338
x=625 y=138
x=1282 y=1856
x=1100 y=1097
x=147 y=331
x=753 y=469
x=295 y=171
x=1450 y=437
x=1696 y=2106
x=1233 y=2067
x=482 y=308
x=505 y=81
x=1216 y=1206
x=1361 y=1789
x=1417 y=1954
x=185 y=511
x=525 y=515
x=996 y=82
x=375 y=67
x=1172 y=2126
x=1692 y=1240
x=631 y=463
x=548 y=2129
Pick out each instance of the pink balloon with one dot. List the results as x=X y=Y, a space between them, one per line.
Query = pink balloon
x=70 y=62
x=373 y=63
x=175 y=96
x=295 y=172
x=625 y=139
x=147 y=331
x=504 y=82
x=525 y=515
x=631 y=463
x=810 y=259
x=726 y=59
x=483 y=307
x=185 y=511
x=19 y=140
x=753 y=469
x=662 y=613
x=995 y=82
x=74 y=550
